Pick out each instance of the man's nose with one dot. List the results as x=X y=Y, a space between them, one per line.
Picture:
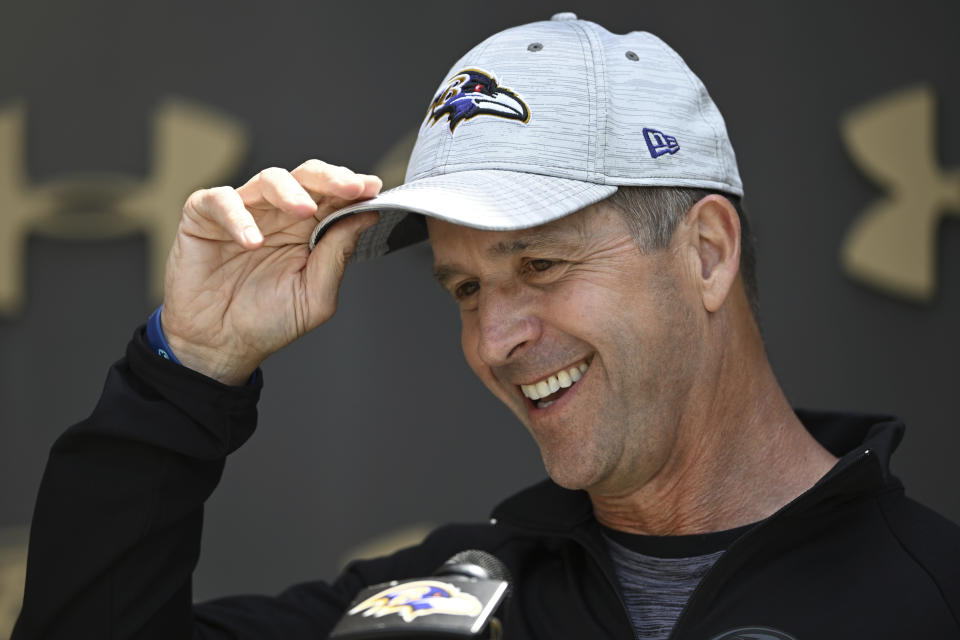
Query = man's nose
x=507 y=324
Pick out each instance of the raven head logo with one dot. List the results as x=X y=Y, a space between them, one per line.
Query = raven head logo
x=410 y=600
x=471 y=93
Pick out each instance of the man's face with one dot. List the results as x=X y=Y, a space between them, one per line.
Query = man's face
x=573 y=310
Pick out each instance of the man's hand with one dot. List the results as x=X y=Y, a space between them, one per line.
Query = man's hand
x=240 y=280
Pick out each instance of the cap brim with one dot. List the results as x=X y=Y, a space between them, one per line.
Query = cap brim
x=494 y=200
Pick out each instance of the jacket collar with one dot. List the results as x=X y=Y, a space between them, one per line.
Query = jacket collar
x=850 y=436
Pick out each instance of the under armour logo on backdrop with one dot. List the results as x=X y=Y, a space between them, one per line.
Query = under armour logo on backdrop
x=893 y=244
x=192 y=146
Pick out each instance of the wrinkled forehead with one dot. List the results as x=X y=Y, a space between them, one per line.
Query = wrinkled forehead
x=459 y=249
x=576 y=228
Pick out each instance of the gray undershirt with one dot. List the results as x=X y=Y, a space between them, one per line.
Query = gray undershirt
x=654 y=589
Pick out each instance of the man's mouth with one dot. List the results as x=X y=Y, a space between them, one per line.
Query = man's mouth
x=545 y=392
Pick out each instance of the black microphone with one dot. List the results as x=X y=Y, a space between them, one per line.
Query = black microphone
x=458 y=601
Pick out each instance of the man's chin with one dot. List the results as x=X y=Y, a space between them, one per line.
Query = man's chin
x=573 y=476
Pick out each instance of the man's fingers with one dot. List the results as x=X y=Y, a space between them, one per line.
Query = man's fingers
x=225 y=208
x=328 y=261
x=327 y=180
x=295 y=192
x=298 y=191
x=278 y=188
x=371 y=186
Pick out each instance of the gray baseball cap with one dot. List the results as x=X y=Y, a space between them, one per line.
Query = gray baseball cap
x=541 y=120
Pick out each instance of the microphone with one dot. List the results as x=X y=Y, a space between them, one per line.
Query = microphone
x=457 y=601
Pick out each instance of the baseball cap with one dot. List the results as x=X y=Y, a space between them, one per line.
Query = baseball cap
x=544 y=119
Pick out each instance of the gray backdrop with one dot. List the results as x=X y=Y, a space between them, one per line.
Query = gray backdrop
x=374 y=423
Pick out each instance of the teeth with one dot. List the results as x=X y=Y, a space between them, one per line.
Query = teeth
x=553 y=383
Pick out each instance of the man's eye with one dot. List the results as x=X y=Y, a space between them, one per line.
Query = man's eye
x=540 y=264
x=466 y=289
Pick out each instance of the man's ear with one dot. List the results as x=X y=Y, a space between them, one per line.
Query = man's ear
x=715 y=227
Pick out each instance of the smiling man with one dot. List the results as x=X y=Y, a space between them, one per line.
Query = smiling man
x=590 y=231
x=637 y=373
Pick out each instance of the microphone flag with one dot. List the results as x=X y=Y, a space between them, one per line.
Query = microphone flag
x=458 y=601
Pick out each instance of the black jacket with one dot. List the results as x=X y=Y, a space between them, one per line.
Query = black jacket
x=116 y=535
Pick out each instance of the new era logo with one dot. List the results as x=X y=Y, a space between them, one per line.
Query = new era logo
x=660 y=143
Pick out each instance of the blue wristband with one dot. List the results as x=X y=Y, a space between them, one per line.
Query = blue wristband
x=158 y=342
x=156 y=338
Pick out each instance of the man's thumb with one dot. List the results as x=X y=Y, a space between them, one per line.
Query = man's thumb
x=328 y=261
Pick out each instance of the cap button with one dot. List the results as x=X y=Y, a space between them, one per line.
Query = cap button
x=566 y=15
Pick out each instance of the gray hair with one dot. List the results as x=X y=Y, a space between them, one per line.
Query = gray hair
x=653 y=213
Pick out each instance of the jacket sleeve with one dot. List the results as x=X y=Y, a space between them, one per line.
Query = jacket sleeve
x=116 y=527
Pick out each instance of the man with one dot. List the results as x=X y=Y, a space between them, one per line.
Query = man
x=588 y=228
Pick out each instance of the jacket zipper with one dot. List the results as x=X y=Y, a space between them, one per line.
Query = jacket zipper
x=594 y=553
x=612 y=581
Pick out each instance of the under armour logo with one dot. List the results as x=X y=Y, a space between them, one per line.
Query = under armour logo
x=659 y=143
x=192 y=147
x=892 y=245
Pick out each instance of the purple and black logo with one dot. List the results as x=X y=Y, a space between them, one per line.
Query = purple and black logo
x=410 y=600
x=660 y=143
x=474 y=92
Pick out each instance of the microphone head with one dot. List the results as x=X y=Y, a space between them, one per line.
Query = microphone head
x=474 y=563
